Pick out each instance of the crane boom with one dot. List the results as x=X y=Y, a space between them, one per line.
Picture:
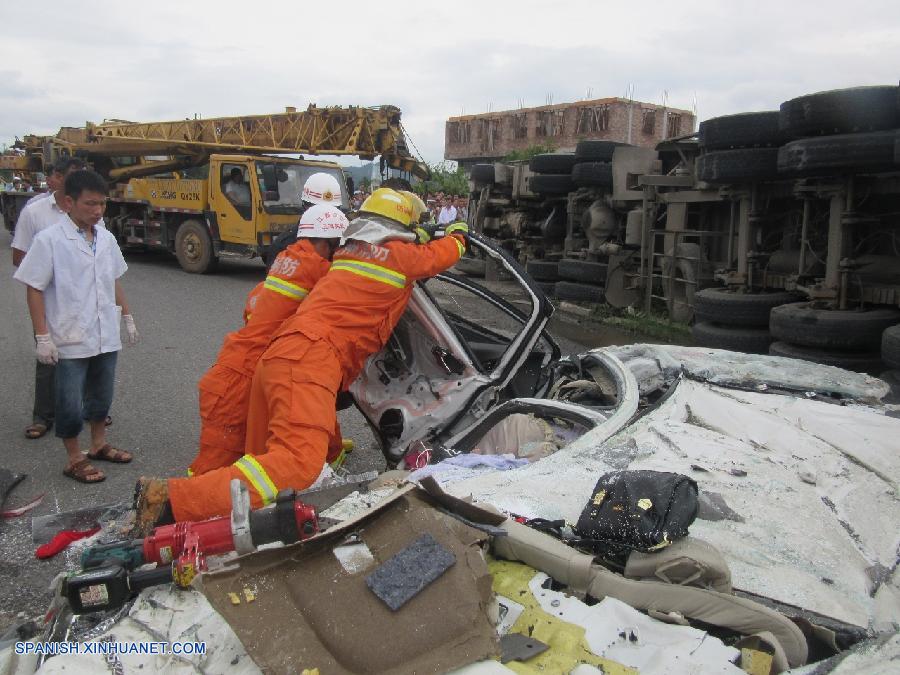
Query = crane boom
x=351 y=130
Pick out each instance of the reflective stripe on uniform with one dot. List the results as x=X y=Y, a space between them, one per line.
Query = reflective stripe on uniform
x=258 y=478
x=285 y=288
x=190 y=472
x=460 y=246
x=371 y=271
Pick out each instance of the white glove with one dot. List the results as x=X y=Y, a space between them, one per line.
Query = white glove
x=47 y=353
x=131 y=329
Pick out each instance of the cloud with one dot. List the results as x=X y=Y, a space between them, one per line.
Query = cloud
x=103 y=59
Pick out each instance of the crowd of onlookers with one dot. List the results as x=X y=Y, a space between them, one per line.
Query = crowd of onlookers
x=444 y=208
x=16 y=184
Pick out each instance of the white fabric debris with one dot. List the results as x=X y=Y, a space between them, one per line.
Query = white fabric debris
x=461 y=467
x=618 y=632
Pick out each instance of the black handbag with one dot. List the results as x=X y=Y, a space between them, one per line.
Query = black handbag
x=638 y=510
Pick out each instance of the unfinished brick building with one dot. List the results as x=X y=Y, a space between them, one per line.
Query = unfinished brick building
x=491 y=136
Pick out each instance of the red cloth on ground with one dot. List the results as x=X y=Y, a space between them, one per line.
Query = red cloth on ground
x=62 y=539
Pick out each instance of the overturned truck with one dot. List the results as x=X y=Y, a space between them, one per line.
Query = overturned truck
x=770 y=231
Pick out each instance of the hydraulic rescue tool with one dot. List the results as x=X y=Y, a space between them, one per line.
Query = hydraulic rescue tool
x=110 y=574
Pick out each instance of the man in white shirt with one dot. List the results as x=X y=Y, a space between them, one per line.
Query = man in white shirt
x=32 y=218
x=448 y=212
x=40 y=213
x=236 y=189
x=56 y=177
x=75 y=299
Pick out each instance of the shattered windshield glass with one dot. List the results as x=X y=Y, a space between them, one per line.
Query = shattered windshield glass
x=291 y=177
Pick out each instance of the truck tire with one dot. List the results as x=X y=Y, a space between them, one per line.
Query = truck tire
x=194 y=248
x=472 y=267
x=548 y=288
x=738 y=166
x=567 y=290
x=740 y=339
x=841 y=154
x=592 y=174
x=841 y=111
x=744 y=130
x=552 y=163
x=543 y=270
x=804 y=324
x=863 y=362
x=482 y=174
x=890 y=346
x=596 y=151
x=724 y=306
x=551 y=184
x=583 y=270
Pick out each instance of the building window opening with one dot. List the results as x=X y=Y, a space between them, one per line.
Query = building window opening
x=648 y=124
x=592 y=120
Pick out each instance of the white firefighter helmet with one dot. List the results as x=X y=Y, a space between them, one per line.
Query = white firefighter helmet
x=321 y=188
x=322 y=221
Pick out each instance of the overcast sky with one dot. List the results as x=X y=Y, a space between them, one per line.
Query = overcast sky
x=62 y=63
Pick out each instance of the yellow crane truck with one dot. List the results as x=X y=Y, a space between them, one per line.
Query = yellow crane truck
x=168 y=179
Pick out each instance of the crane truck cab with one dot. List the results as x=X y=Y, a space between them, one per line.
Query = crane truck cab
x=198 y=218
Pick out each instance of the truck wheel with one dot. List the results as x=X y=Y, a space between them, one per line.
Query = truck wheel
x=741 y=339
x=583 y=270
x=590 y=174
x=863 y=362
x=552 y=163
x=548 y=288
x=551 y=184
x=890 y=346
x=738 y=166
x=805 y=324
x=543 y=270
x=483 y=174
x=567 y=290
x=744 y=130
x=194 y=248
x=724 y=306
x=596 y=151
x=844 y=154
x=841 y=111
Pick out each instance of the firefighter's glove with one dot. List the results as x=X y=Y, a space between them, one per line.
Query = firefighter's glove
x=133 y=335
x=423 y=236
x=47 y=353
x=460 y=229
x=151 y=496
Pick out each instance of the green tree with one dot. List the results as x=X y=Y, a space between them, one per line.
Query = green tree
x=528 y=152
x=443 y=179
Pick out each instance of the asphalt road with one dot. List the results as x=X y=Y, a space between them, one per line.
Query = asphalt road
x=182 y=319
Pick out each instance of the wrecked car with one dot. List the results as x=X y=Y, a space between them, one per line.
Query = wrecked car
x=790 y=564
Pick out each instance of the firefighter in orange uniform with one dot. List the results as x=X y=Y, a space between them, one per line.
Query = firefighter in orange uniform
x=225 y=388
x=320 y=350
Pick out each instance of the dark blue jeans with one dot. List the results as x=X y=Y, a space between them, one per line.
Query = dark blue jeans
x=44 y=394
x=84 y=391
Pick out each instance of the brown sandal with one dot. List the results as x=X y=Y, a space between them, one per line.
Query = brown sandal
x=84 y=472
x=110 y=454
x=36 y=430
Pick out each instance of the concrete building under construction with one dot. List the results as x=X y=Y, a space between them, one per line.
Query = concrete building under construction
x=491 y=136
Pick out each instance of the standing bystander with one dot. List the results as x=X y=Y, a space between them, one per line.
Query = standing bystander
x=40 y=213
x=448 y=211
x=75 y=299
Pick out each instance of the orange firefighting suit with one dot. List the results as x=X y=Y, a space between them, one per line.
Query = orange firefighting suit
x=225 y=388
x=348 y=317
x=252 y=297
